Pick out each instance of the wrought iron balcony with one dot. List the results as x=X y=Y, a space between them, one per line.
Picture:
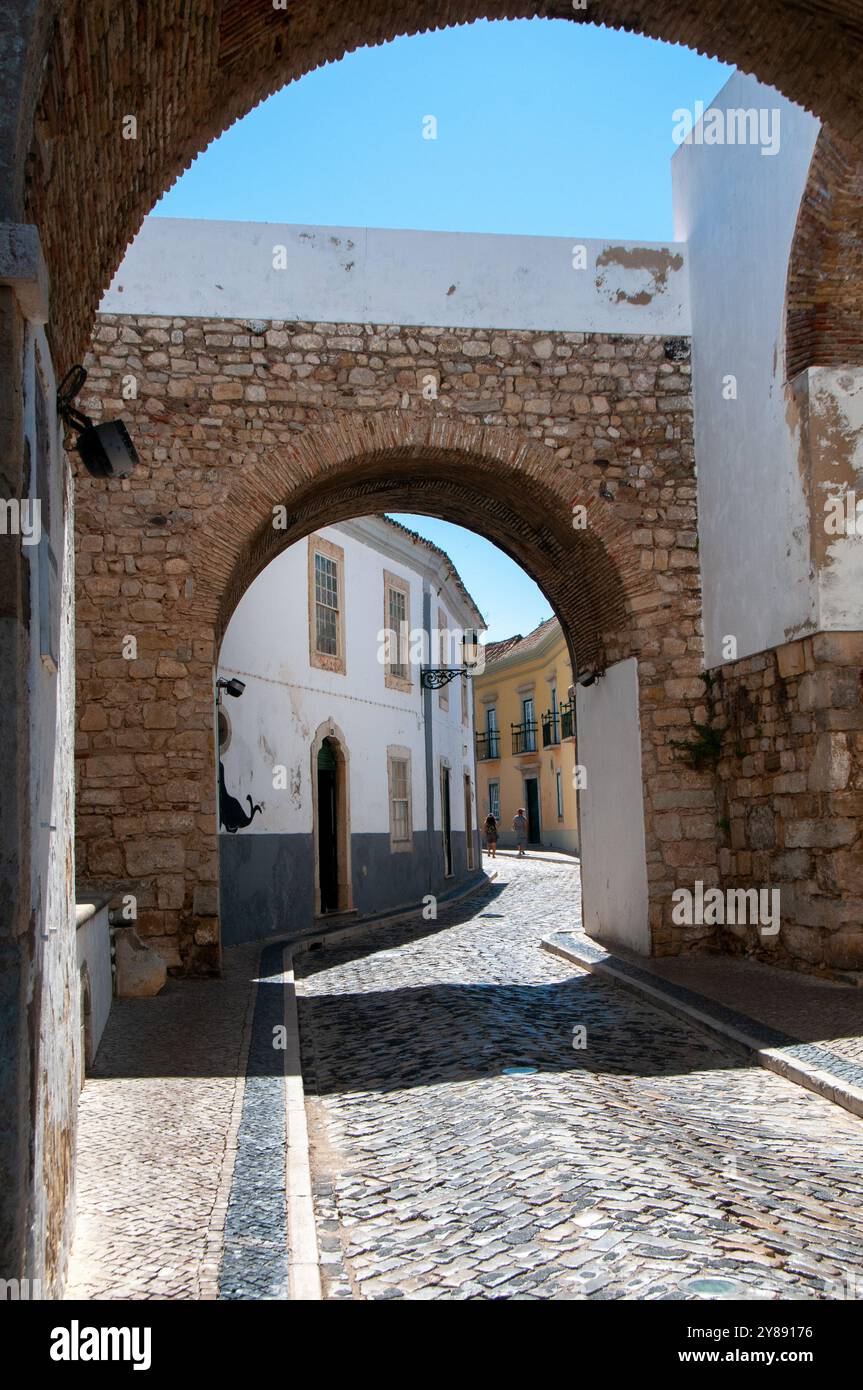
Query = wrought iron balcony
x=567 y=721
x=550 y=729
x=487 y=746
x=524 y=737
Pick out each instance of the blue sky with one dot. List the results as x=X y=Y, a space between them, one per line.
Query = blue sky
x=544 y=127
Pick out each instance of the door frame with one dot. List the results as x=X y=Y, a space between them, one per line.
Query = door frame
x=468 y=822
x=329 y=729
x=446 y=817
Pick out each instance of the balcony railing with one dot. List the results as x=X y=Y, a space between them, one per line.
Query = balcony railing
x=567 y=721
x=487 y=746
x=550 y=729
x=524 y=738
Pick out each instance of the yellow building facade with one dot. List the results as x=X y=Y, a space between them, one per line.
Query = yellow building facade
x=524 y=708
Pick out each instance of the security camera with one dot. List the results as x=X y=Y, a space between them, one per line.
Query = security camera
x=232 y=687
x=106 y=450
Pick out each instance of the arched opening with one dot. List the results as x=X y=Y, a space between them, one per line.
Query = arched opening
x=412 y=783
x=331 y=820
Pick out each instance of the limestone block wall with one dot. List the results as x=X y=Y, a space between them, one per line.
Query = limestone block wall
x=790 y=795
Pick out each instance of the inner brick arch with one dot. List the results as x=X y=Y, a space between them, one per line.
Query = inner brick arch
x=824 y=298
x=186 y=76
x=480 y=478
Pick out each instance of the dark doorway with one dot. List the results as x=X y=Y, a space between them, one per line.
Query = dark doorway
x=328 y=828
x=446 y=824
x=531 y=792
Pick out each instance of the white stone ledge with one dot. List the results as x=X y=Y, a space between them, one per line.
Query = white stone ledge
x=22 y=266
x=208 y=269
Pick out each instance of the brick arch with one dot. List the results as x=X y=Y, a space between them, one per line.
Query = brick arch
x=487 y=479
x=824 y=299
x=187 y=74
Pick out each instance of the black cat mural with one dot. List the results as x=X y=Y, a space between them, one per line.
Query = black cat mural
x=231 y=813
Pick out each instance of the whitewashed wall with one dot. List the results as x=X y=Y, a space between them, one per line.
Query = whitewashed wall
x=736 y=209
x=611 y=810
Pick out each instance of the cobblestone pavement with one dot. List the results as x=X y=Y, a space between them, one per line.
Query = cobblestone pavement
x=157 y=1128
x=650 y=1159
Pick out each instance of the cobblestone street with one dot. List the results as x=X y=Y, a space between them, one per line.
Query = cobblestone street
x=463 y=1148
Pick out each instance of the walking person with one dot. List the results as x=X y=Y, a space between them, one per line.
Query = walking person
x=490 y=829
x=519 y=825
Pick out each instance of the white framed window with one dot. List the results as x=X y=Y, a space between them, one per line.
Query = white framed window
x=494 y=799
x=399 y=784
x=491 y=732
x=326 y=605
x=397 y=617
x=559 y=784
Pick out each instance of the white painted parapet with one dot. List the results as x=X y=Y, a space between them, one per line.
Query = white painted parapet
x=269 y=270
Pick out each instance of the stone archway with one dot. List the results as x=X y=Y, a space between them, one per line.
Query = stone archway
x=177 y=584
x=74 y=122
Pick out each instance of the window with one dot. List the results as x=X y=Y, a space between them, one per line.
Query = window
x=399 y=778
x=528 y=720
x=397 y=674
x=491 y=731
x=326 y=605
x=494 y=799
x=559 y=781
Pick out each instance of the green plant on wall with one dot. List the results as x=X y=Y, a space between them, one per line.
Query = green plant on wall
x=705 y=750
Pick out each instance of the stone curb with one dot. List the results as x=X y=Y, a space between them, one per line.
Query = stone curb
x=214 y=1243
x=304 y=1273
x=771 y=1049
x=325 y=939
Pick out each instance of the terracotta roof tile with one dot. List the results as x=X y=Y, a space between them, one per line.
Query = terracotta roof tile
x=518 y=644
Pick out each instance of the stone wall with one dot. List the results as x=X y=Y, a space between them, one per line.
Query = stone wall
x=790 y=795
x=232 y=418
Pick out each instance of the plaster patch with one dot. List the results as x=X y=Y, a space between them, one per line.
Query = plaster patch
x=639 y=273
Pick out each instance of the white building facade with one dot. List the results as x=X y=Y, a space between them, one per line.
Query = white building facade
x=346 y=784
